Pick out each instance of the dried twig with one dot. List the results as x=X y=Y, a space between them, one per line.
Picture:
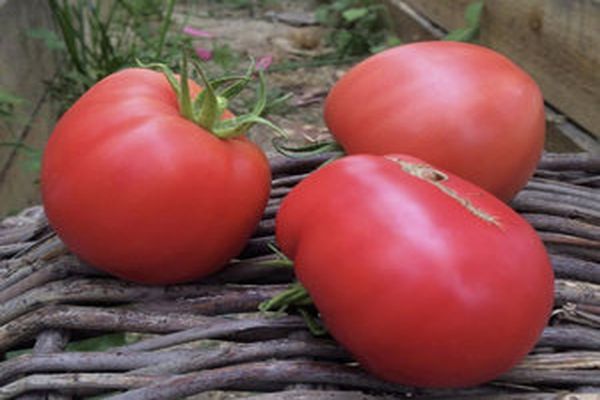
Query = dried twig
x=571 y=176
x=576 y=292
x=279 y=192
x=570 y=337
x=528 y=197
x=288 y=181
x=559 y=361
x=47 y=342
x=235 y=300
x=560 y=378
x=552 y=238
x=320 y=395
x=169 y=361
x=42 y=273
x=258 y=246
x=294 y=166
x=552 y=186
x=271 y=209
x=252 y=271
x=13 y=248
x=20 y=234
x=266 y=227
x=120 y=320
x=113 y=291
x=531 y=204
x=43 y=251
x=566 y=267
x=581 y=314
x=554 y=223
x=262 y=376
x=232 y=353
x=216 y=328
x=570 y=161
x=583 y=253
x=72 y=383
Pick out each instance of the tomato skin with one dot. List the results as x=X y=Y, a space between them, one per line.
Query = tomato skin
x=461 y=107
x=136 y=190
x=421 y=290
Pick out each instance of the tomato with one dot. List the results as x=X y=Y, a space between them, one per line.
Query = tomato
x=461 y=107
x=425 y=278
x=139 y=191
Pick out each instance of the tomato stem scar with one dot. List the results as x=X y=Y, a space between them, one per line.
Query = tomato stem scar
x=437 y=178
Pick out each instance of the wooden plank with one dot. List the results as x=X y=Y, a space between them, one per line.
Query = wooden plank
x=409 y=24
x=26 y=63
x=447 y=14
x=18 y=186
x=556 y=41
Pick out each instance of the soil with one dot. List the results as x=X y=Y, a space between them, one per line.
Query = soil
x=286 y=30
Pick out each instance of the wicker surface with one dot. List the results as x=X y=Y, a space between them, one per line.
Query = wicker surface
x=207 y=337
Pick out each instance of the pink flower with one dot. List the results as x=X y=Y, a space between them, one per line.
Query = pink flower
x=198 y=33
x=264 y=62
x=204 y=54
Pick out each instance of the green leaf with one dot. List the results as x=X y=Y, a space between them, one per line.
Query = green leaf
x=322 y=15
x=8 y=103
x=340 y=5
x=473 y=13
x=7 y=98
x=470 y=32
x=353 y=14
x=462 y=35
x=391 y=41
x=224 y=56
x=207 y=107
x=164 y=28
x=50 y=38
x=99 y=343
x=17 y=353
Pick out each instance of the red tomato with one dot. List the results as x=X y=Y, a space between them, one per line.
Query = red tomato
x=459 y=106
x=425 y=278
x=137 y=190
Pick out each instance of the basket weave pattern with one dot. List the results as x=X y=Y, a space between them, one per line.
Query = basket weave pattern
x=208 y=336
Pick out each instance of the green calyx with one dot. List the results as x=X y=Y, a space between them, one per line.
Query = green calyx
x=296 y=296
x=207 y=108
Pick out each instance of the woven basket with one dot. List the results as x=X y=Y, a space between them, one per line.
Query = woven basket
x=207 y=340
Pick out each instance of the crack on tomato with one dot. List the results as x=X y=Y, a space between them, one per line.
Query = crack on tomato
x=436 y=178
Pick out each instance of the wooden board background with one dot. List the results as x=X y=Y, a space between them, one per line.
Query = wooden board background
x=25 y=63
x=556 y=41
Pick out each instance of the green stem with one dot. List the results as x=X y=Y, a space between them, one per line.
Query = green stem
x=313 y=324
x=277 y=263
x=164 y=28
x=207 y=109
x=208 y=103
x=295 y=295
x=185 y=103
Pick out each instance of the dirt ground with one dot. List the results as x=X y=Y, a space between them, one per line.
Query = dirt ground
x=287 y=31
